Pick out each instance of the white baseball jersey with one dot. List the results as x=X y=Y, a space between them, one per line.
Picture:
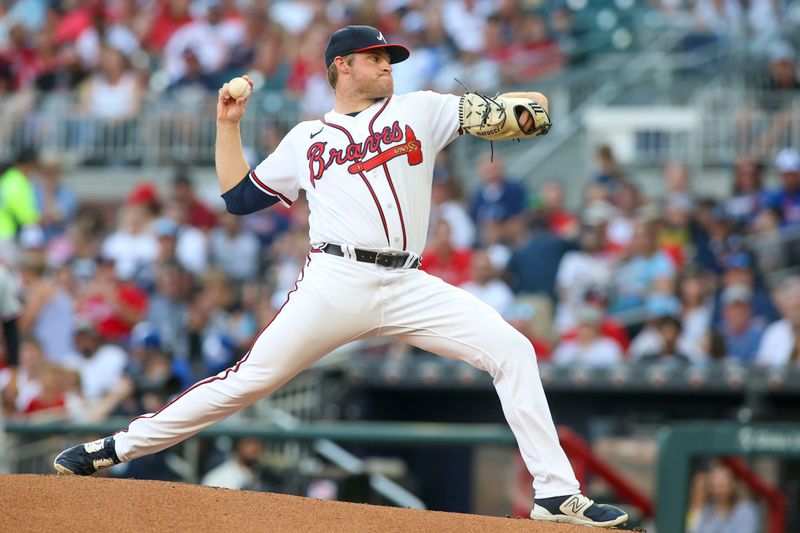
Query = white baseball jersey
x=367 y=178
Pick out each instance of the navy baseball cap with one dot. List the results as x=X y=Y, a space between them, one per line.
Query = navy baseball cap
x=351 y=39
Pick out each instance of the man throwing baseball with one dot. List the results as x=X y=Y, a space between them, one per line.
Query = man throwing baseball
x=366 y=168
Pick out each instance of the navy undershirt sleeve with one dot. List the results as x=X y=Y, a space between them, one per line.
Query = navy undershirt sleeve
x=246 y=198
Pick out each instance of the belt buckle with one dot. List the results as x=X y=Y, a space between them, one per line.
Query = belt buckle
x=391 y=256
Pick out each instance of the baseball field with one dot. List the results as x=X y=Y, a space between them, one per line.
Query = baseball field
x=51 y=503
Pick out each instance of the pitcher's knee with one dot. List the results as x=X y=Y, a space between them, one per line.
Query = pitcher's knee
x=513 y=345
x=251 y=384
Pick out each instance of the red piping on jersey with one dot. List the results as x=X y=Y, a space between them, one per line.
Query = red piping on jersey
x=364 y=179
x=388 y=176
x=268 y=189
x=234 y=368
x=372 y=122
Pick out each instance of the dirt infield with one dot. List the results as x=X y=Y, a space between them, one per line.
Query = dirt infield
x=51 y=503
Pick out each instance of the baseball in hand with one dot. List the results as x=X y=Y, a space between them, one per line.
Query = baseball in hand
x=238 y=88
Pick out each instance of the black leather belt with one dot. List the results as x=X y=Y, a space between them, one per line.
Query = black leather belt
x=387 y=259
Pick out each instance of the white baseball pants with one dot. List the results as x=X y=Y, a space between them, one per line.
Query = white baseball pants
x=337 y=300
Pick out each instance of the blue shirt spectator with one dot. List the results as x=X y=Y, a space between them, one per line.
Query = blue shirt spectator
x=787 y=197
x=635 y=276
x=747 y=195
x=56 y=203
x=496 y=199
x=168 y=311
x=738 y=269
x=498 y=202
x=726 y=511
x=648 y=270
x=742 y=333
x=743 y=345
x=532 y=268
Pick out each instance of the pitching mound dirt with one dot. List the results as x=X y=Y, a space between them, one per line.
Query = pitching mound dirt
x=51 y=503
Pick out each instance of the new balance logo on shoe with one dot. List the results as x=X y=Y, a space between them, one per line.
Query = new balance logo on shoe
x=575 y=504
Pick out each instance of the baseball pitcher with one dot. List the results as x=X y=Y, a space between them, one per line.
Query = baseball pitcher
x=366 y=168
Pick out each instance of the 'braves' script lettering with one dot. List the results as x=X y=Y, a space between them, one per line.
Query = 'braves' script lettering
x=320 y=157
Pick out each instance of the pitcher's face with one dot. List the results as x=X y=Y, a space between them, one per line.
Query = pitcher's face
x=372 y=74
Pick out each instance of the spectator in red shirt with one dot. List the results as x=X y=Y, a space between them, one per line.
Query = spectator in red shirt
x=51 y=399
x=443 y=260
x=609 y=327
x=113 y=306
x=21 y=57
x=560 y=221
x=534 y=53
x=171 y=15
x=198 y=214
x=74 y=21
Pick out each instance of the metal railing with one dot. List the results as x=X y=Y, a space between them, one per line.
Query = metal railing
x=719 y=127
x=301 y=400
x=163 y=132
x=650 y=62
x=737 y=122
x=646 y=135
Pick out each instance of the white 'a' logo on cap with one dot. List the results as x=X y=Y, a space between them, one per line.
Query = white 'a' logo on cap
x=380 y=36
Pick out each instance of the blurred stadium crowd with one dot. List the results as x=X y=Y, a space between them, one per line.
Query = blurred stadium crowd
x=167 y=290
x=115 y=51
x=119 y=53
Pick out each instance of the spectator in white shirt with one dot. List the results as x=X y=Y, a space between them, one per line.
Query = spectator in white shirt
x=580 y=271
x=486 y=285
x=446 y=206
x=101 y=33
x=590 y=348
x=694 y=289
x=191 y=245
x=132 y=246
x=779 y=345
x=241 y=470
x=113 y=91
x=465 y=20
x=622 y=224
x=101 y=366
x=20 y=385
x=649 y=339
x=210 y=38
x=235 y=250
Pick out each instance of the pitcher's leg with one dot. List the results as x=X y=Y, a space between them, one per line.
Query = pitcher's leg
x=444 y=320
x=277 y=355
x=308 y=326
